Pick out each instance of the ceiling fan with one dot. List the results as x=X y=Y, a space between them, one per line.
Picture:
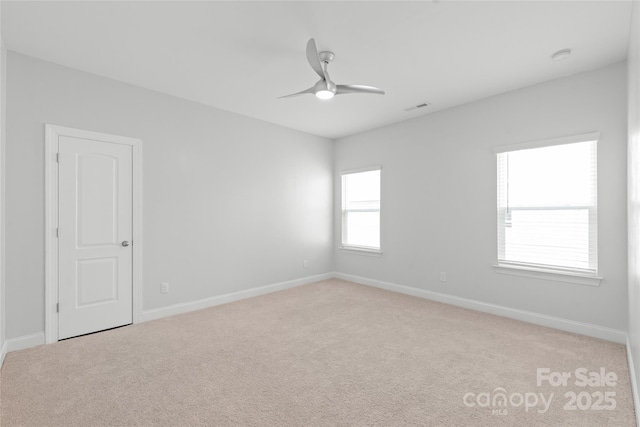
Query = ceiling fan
x=325 y=88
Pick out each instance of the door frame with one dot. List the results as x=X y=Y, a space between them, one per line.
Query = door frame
x=52 y=135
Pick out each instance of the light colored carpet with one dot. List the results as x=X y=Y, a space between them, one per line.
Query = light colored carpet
x=328 y=354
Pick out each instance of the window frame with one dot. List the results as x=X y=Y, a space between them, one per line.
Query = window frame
x=355 y=249
x=562 y=274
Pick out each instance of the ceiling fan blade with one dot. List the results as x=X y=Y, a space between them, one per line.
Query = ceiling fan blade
x=313 y=58
x=342 y=89
x=310 y=90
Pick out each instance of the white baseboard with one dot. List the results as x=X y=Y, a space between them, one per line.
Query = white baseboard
x=634 y=383
x=32 y=340
x=3 y=353
x=595 y=331
x=618 y=336
x=174 y=309
x=25 y=341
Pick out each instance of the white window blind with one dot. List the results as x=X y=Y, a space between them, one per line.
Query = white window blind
x=361 y=210
x=547 y=206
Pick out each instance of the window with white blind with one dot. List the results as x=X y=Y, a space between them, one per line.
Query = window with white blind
x=547 y=206
x=361 y=209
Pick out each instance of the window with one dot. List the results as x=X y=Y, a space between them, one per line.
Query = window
x=547 y=210
x=361 y=210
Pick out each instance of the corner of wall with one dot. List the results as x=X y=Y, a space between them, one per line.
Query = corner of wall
x=633 y=202
x=3 y=80
x=334 y=205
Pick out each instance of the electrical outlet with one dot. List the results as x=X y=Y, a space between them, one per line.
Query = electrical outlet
x=164 y=287
x=305 y=264
x=443 y=276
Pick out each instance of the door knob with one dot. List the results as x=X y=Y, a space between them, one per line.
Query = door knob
x=126 y=243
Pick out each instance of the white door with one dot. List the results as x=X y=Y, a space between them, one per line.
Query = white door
x=95 y=229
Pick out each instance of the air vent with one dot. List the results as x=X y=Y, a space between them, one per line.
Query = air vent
x=415 y=107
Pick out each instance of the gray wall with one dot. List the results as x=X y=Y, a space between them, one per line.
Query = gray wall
x=439 y=195
x=3 y=111
x=634 y=190
x=230 y=202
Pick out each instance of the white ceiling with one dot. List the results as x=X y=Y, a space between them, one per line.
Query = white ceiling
x=240 y=56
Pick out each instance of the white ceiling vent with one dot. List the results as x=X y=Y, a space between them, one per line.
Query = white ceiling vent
x=415 y=107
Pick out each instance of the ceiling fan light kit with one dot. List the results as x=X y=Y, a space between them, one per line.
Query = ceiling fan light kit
x=324 y=94
x=325 y=88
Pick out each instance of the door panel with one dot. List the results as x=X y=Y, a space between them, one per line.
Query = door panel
x=97 y=281
x=97 y=210
x=95 y=217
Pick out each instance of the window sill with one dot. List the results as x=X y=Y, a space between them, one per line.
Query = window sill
x=360 y=251
x=536 y=273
